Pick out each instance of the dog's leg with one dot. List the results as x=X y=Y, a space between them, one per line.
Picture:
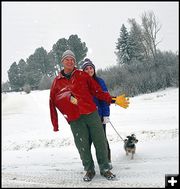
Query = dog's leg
x=133 y=152
x=126 y=152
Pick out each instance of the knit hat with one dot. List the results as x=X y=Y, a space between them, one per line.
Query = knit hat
x=68 y=53
x=87 y=62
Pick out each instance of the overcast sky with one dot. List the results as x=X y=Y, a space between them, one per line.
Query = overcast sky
x=30 y=25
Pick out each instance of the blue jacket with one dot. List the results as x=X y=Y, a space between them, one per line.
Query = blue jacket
x=103 y=107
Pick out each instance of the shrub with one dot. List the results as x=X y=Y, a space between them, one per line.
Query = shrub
x=27 y=88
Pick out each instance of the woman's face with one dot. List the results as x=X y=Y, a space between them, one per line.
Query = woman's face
x=89 y=70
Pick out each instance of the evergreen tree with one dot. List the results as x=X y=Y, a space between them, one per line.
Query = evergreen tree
x=6 y=86
x=38 y=65
x=73 y=43
x=58 y=49
x=78 y=48
x=41 y=61
x=22 y=72
x=13 y=75
x=34 y=73
x=53 y=68
x=136 y=47
x=123 y=46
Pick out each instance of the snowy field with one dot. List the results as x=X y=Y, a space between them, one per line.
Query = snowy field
x=35 y=156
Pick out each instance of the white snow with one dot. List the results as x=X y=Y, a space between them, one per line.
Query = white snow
x=35 y=156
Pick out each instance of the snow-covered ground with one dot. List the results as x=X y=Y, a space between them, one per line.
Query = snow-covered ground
x=35 y=156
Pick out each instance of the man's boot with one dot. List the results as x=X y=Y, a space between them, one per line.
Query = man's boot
x=108 y=175
x=89 y=175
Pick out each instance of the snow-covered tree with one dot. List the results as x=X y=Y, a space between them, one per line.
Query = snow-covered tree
x=14 y=77
x=5 y=86
x=137 y=50
x=122 y=46
x=22 y=72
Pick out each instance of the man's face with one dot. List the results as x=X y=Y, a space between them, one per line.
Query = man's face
x=68 y=63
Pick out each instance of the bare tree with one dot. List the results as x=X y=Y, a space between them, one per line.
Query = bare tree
x=151 y=27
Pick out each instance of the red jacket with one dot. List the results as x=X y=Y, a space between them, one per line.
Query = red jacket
x=83 y=88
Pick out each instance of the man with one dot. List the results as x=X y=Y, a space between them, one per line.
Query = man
x=72 y=93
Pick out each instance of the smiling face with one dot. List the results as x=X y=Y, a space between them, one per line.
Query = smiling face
x=68 y=64
x=89 y=70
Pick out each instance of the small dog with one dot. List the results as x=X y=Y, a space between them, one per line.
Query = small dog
x=129 y=145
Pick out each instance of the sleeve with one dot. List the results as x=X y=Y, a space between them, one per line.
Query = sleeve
x=102 y=84
x=104 y=106
x=97 y=91
x=53 y=111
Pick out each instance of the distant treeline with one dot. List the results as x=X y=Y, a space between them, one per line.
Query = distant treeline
x=143 y=77
x=141 y=67
x=39 y=69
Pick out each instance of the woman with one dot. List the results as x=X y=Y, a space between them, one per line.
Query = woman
x=103 y=107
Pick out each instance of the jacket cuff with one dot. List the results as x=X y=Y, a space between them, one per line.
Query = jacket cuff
x=113 y=101
x=56 y=128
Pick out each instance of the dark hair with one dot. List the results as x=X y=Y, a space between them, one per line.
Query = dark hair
x=95 y=76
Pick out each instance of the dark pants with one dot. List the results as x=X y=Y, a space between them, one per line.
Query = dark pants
x=90 y=126
x=109 y=151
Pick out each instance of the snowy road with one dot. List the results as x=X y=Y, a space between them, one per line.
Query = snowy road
x=146 y=170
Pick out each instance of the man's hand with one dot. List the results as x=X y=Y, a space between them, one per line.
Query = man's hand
x=106 y=119
x=73 y=100
x=122 y=101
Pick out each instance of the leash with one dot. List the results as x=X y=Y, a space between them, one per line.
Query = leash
x=116 y=131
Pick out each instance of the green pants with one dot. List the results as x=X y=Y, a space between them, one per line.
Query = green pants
x=85 y=126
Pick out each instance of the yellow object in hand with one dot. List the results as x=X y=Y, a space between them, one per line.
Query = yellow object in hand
x=73 y=100
x=122 y=101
